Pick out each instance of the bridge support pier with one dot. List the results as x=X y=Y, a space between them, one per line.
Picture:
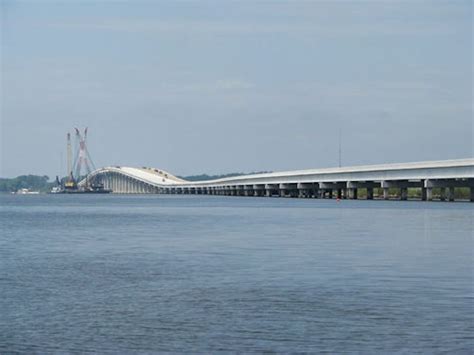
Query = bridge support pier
x=271 y=189
x=352 y=193
x=305 y=190
x=248 y=190
x=288 y=190
x=442 y=194
x=333 y=186
x=370 y=193
x=259 y=190
x=402 y=186
x=429 y=194
x=450 y=194
x=404 y=193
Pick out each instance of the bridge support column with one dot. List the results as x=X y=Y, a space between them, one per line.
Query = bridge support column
x=248 y=190
x=450 y=191
x=428 y=185
x=288 y=190
x=107 y=181
x=271 y=189
x=259 y=190
x=331 y=186
x=401 y=185
x=442 y=194
x=370 y=193
x=352 y=193
x=112 y=182
x=429 y=194
x=404 y=193
x=354 y=186
x=241 y=190
x=305 y=190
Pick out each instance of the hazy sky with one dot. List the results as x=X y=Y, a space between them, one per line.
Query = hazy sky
x=214 y=86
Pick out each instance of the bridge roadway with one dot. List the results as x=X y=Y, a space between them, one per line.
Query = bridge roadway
x=432 y=179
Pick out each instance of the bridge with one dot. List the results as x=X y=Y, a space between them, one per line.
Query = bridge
x=429 y=180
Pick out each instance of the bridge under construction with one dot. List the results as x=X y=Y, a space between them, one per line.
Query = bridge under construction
x=368 y=182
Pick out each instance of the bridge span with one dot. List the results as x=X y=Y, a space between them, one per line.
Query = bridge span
x=426 y=180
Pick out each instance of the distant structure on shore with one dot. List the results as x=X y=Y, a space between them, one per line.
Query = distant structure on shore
x=81 y=167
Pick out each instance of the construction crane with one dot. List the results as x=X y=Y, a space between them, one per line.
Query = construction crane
x=83 y=159
x=82 y=166
x=70 y=183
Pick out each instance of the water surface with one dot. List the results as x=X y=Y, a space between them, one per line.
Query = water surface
x=208 y=273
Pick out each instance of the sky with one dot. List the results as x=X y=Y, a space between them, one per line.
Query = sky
x=239 y=86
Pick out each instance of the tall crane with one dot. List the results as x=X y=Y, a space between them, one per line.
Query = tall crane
x=69 y=156
x=83 y=158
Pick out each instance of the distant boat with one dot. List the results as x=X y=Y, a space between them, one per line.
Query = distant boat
x=56 y=190
x=25 y=192
x=72 y=188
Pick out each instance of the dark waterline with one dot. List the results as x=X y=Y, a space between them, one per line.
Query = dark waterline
x=208 y=274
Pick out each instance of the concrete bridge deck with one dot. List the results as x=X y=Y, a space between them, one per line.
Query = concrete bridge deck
x=388 y=180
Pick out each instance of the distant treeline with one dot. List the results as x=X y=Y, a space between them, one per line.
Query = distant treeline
x=203 y=177
x=32 y=182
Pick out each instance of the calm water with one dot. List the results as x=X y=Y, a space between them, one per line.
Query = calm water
x=208 y=274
